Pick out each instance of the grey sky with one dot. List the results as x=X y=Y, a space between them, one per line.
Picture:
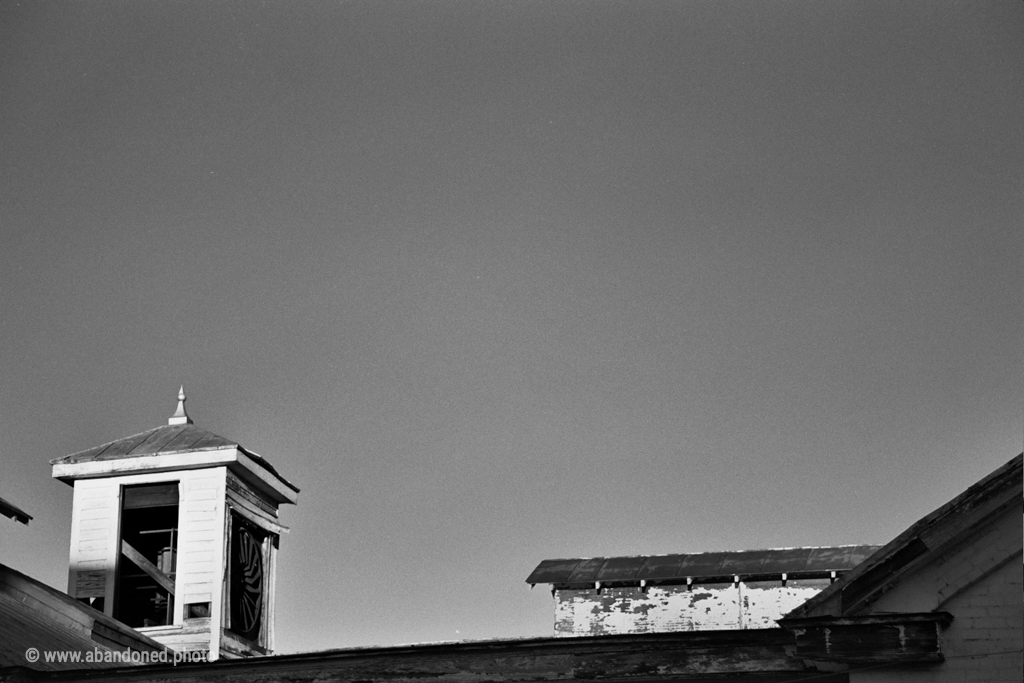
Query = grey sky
x=494 y=282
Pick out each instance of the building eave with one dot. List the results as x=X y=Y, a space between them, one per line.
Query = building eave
x=908 y=638
x=920 y=543
x=742 y=565
x=235 y=458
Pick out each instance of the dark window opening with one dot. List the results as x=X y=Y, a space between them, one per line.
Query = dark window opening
x=149 y=548
x=246 y=580
x=197 y=610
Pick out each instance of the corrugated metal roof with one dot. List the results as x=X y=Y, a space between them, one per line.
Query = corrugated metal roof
x=164 y=440
x=655 y=568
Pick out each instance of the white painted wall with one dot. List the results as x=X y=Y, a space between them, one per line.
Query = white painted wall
x=703 y=607
x=95 y=519
x=199 y=573
x=205 y=502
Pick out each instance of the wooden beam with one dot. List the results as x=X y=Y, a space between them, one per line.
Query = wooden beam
x=166 y=582
x=872 y=639
x=149 y=496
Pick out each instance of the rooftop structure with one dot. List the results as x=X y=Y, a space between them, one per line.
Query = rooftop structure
x=653 y=570
x=745 y=589
x=175 y=533
x=173 y=546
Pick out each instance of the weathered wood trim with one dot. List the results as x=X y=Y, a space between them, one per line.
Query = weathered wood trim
x=753 y=656
x=234 y=646
x=220 y=564
x=257 y=519
x=271 y=602
x=231 y=643
x=73 y=561
x=11 y=510
x=90 y=583
x=943 y=618
x=68 y=615
x=873 y=639
x=240 y=490
x=145 y=464
x=258 y=476
x=253 y=473
x=166 y=582
x=200 y=560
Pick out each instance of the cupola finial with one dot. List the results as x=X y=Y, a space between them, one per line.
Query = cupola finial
x=180 y=417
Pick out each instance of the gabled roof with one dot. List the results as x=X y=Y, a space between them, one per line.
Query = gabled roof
x=794 y=562
x=925 y=539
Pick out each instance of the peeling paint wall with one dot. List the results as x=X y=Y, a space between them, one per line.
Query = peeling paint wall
x=701 y=607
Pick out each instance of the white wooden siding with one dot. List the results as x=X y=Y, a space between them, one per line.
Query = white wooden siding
x=204 y=504
x=94 y=527
x=201 y=534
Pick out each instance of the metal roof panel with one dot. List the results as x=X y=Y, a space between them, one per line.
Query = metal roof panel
x=552 y=571
x=786 y=560
x=661 y=567
x=157 y=439
x=207 y=441
x=184 y=441
x=701 y=565
x=620 y=568
x=744 y=561
x=586 y=571
x=835 y=559
x=111 y=450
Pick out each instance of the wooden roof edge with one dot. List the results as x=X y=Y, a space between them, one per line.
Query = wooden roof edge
x=14 y=512
x=1000 y=482
x=711 y=552
x=383 y=663
x=74 y=611
x=942 y=618
x=265 y=464
x=603 y=560
x=700 y=579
